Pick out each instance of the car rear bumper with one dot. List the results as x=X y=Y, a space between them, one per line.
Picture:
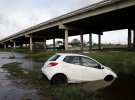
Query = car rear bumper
x=47 y=73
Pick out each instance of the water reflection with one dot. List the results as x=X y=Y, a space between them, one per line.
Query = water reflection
x=16 y=89
x=19 y=57
x=11 y=54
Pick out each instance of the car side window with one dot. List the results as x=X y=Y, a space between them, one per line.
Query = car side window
x=89 y=62
x=72 y=60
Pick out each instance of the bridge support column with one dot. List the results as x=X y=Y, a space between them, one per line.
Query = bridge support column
x=66 y=39
x=31 y=43
x=129 y=38
x=90 y=41
x=99 y=41
x=5 y=46
x=45 y=43
x=81 y=38
x=26 y=45
x=134 y=39
x=14 y=44
x=54 y=44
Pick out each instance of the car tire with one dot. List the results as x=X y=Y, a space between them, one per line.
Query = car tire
x=108 y=78
x=59 y=79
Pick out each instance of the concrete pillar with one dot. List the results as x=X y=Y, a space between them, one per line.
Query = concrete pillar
x=81 y=38
x=99 y=41
x=44 y=43
x=66 y=39
x=129 y=38
x=14 y=44
x=26 y=44
x=5 y=46
x=53 y=43
x=31 y=44
x=134 y=39
x=90 y=41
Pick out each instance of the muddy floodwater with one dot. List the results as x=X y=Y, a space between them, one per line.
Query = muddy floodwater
x=17 y=89
x=118 y=89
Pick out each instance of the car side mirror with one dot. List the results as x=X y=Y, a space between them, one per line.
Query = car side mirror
x=100 y=67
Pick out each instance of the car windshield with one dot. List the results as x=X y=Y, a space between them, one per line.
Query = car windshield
x=54 y=58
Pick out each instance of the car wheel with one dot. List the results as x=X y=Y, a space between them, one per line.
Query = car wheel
x=59 y=79
x=108 y=78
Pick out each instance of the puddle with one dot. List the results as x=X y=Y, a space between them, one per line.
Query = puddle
x=17 y=89
x=11 y=90
x=11 y=54
x=19 y=57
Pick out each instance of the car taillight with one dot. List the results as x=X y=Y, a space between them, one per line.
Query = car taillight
x=52 y=64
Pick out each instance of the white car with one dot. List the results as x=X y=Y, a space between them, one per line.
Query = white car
x=75 y=68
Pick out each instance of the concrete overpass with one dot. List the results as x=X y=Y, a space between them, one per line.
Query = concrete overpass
x=104 y=16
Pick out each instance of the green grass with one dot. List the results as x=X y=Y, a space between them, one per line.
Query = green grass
x=122 y=62
x=13 y=68
x=43 y=56
x=35 y=78
x=15 y=50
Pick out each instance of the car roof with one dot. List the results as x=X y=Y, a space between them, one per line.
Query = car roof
x=69 y=54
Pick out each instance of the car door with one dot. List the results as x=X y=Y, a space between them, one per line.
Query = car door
x=91 y=69
x=73 y=69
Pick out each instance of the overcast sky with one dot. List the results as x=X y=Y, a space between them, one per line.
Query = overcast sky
x=16 y=15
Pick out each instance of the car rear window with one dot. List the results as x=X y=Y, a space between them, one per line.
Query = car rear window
x=54 y=58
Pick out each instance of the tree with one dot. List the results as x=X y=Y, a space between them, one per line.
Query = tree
x=75 y=42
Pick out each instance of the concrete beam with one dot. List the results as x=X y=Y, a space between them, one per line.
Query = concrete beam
x=81 y=38
x=65 y=27
x=66 y=39
x=27 y=36
x=129 y=38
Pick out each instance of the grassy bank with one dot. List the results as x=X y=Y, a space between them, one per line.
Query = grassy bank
x=44 y=55
x=50 y=92
x=14 y=50
x=123 y=63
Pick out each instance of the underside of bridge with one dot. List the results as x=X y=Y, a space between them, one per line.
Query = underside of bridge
x=108 y=21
